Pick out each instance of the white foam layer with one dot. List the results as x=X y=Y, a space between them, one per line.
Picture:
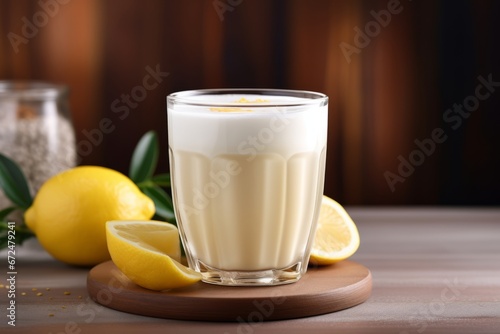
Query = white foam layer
x=264 y=127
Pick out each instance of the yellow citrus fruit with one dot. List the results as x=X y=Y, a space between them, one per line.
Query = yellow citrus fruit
x=336 y=237
x=70 y=212
x=147 y=252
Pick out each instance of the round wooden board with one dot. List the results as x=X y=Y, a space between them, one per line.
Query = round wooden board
x=321 y=290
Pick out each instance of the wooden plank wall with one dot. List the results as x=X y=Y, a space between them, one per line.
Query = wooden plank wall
x=391 y=92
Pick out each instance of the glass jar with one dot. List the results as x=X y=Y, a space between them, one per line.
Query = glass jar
x=36 y=130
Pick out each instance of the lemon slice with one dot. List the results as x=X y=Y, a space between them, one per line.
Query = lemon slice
x=336 y=237
x=147 y=252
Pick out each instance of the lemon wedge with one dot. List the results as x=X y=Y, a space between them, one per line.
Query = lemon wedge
x=336 y=238
x=148 y=253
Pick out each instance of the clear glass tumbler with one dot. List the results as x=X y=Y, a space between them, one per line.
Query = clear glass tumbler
x=247 y=169
x=36 y=130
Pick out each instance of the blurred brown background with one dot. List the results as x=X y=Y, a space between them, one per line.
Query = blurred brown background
x=392 y=70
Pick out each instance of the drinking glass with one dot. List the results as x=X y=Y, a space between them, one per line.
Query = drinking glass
x=247 y=169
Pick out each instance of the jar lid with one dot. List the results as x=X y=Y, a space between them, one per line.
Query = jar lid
x=31 y=90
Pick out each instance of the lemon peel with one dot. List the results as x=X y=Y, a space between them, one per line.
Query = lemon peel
x=242 y=100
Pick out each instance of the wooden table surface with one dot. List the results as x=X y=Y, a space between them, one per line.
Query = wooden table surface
x=435 y=270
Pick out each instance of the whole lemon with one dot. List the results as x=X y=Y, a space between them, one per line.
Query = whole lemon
x=70 y=212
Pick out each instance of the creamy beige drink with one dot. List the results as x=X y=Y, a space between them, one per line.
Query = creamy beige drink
x=247 y=175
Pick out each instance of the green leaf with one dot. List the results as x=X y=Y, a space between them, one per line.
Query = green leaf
x=163 y=180
x=163 y=202
x=13 y=183
x=21 y=233
x=7 y=211
x=144 y=158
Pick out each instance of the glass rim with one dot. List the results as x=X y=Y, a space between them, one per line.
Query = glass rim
x=307 y=97
x=31 y=90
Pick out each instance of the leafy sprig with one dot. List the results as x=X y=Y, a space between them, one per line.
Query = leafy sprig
x=16 y=189
x=142 y=167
